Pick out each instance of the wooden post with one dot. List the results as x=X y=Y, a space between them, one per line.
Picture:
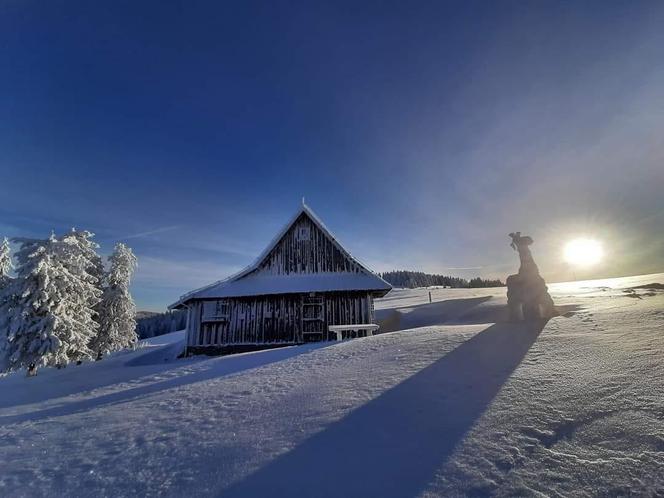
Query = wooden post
x=429 y=296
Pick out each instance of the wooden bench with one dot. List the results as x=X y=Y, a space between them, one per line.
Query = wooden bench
x=338 y=330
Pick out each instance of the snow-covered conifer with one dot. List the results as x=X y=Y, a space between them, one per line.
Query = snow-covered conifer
x=92 y=268
x=117 y=311
x=6 y=267
x=5 y=261
x=87 y=249
x=6 y=295
x=79 y=254
x=50 y=318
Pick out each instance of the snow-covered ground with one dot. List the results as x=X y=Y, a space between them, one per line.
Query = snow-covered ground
x=455 y=402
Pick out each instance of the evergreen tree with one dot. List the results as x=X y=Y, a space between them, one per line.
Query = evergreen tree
x=49 y=318
x=6 y=297
x=93 y=267
x=117 y=311
x=87 y=248
x=79 y=253
x=161 y=323
x=412 y=279
x=6 y=265
x=23 y=312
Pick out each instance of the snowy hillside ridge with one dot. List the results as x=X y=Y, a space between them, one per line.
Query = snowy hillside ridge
x=461 y=403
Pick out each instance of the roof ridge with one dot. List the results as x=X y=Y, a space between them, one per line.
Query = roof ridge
x=251 y=266
x=340 y=246
x=303 y=208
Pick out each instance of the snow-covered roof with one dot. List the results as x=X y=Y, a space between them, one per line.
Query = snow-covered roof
x=244 y=284
x=259 y=285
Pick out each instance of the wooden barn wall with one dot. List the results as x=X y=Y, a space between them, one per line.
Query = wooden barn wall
x=194 y=323
x=277 y=319
x=297 y=254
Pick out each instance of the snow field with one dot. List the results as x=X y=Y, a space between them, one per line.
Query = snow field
x=460 y=403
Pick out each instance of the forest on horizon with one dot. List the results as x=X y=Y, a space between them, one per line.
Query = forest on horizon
x=412 y=279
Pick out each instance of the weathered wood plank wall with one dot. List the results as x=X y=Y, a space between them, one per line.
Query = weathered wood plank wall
x=306 y=249
x=278 y=319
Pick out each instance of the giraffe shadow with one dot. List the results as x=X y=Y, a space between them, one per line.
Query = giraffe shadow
x=393 y=445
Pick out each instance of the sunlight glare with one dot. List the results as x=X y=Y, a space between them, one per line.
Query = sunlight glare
x=583 y=252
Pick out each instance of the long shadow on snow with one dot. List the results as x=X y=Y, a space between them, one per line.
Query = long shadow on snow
x=67 y=382
x=393 y=445
x=153 y=359
x=429 y=314
x=205 y=370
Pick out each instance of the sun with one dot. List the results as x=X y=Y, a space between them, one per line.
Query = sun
x=583 y=252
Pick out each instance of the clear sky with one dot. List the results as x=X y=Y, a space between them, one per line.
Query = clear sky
x=421 y=133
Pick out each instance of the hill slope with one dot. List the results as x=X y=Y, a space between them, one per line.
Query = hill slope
x=458 y=403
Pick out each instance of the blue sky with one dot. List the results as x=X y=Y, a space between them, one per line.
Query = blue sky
x=421 y=133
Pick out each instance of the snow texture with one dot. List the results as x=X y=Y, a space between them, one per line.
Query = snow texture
x=459 y=403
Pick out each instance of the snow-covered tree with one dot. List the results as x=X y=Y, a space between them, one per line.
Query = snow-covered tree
x=49 y=319
x=92 y=266
x=6 y=265
x=20 y=340
x=6 y=296
x=79 y=253
x=87 y=249
x=117 y=311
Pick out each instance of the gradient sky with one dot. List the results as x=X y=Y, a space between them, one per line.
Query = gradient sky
x=420 y=133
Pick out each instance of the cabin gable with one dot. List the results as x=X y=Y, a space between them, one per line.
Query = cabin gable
x=305 y=249
x=304 y=257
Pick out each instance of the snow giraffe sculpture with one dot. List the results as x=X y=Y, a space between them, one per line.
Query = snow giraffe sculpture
x=527 y=295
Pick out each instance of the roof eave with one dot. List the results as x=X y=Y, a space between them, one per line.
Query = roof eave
x=376 y=292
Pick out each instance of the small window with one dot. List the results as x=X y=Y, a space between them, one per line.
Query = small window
x=303 y=234
x=215 y=311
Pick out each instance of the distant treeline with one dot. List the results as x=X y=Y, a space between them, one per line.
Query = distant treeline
x=159 y=323
x=412 y=279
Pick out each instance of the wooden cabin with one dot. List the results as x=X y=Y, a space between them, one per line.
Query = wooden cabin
x=303 y=283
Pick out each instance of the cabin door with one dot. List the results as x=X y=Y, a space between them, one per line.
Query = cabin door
x=313 y=318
